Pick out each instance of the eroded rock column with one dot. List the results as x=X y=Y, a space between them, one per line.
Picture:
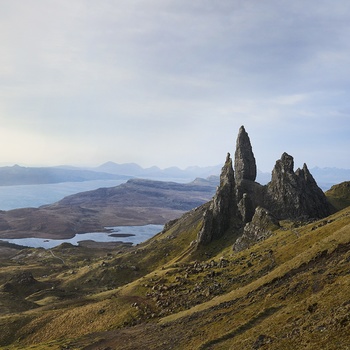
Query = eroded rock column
x=245 y=165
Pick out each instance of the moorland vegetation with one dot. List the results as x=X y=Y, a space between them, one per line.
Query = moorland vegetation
x=191 y=286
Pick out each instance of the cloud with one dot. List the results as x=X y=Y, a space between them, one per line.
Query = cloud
x=169 y=82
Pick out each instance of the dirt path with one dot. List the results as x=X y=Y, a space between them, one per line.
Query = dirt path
x=55 y=256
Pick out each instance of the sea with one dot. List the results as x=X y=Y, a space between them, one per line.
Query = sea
x=25 y=196
x=126 y=234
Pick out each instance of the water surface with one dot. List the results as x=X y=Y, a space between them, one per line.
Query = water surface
x=25 y=196
x=137 y=234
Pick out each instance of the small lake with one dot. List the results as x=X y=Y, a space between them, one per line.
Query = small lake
x=127 y=234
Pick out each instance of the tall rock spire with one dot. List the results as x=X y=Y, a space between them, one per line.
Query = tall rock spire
x=223 y=207
x=245 y=166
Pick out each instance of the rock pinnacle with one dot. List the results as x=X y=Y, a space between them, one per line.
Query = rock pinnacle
x=245 y=166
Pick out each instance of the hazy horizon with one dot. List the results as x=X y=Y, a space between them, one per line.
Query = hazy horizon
x=94 y=166
x=169 y=82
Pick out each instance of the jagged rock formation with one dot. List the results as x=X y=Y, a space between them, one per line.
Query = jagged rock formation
x=261 y=227
x=222 y=208
x=241 y=202
x=245 y=166
x=295 y=194
x=248 y=192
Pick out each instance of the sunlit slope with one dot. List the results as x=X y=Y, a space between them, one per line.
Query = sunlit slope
x=339 y=195
x=289 y=291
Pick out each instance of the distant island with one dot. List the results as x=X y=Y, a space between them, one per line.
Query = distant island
x=19 y=175
x=136 y=202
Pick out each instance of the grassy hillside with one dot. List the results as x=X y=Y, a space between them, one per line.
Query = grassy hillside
x=289 y=291
x=339 y=195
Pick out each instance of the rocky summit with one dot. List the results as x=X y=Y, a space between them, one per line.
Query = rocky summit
x=294 y=195
x=240 y=203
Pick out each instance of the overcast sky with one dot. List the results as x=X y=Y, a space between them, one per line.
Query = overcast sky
x=169 y=82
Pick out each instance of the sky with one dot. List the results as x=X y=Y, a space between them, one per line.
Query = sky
x=169 y=82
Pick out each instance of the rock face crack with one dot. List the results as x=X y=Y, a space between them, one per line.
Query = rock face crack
x=240 y=202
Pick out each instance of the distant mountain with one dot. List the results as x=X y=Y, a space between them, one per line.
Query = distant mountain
x=129 y=169
x=263 y=178
x=18 y=175
x=135 y=170
x=327 y=177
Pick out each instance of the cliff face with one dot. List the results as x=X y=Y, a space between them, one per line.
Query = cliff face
x=245 y=165
x=295 y=194
x=240 y=201
x=222 y=208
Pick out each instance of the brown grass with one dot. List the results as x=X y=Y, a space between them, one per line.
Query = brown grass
x=289 y=291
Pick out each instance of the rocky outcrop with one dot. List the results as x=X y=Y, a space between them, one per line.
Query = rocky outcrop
x=222 y=209
x=295 y=195
x=246 y=207
x=250 y=194
x=240 y=202
x=20 y=282
x=245 y=166
x=247 y=192
x=261 y=227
